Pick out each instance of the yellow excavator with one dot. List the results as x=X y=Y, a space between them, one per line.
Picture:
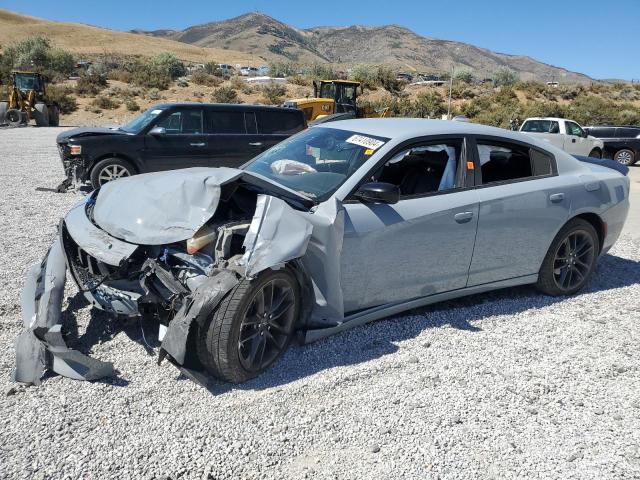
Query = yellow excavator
x=26 y=99
x=336 y=99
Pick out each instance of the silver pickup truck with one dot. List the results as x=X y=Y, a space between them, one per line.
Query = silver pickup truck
x=565 y=134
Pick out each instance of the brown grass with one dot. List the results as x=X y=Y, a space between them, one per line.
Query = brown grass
x=85 y=39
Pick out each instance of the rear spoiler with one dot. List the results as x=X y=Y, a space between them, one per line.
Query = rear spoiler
x=603 y=162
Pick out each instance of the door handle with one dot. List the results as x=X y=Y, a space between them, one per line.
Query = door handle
x=556 y=197
x=199 y=144
x=573 y=140
x=255 y=144
x=463 y=217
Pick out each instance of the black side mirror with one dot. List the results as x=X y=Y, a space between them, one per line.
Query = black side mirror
x=378 y=192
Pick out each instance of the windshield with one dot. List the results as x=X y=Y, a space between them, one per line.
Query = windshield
x=27 y=82
x=137 y=124
x=316 y=161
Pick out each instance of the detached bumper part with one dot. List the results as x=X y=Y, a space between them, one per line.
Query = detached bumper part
x=41 y=346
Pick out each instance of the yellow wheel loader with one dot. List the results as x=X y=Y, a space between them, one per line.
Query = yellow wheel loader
x=335 y=98
x=26 y=99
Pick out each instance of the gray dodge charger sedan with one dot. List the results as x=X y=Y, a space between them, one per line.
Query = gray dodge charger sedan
x=341 y=224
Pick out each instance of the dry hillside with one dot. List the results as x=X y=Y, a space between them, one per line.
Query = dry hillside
x=85 y=39
x=392 y=45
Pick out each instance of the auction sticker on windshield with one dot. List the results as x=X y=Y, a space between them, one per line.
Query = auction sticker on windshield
x=366 y=142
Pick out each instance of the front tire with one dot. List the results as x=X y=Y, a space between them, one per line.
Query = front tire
x=595 y=153
x=251 y=327
x=110 y=169
x=624 y=156
x=571 y=259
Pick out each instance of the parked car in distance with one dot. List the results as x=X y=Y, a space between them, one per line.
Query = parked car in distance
x=249 y=71
x=564 y=134
x=171 y=136
x=621 y=142
x=341 y=224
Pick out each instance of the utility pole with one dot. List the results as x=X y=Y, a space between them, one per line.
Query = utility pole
x=450 y=88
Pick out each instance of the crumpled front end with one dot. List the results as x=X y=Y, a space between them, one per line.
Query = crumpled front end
x=132 y=260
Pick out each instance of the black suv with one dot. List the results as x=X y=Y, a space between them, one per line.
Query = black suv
x=621 y=142
x=171 y=136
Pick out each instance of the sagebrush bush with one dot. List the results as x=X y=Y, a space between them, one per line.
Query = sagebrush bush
x=90 y=84
x=61 y=96
x=505 y=77
x=225 y=94
x=105 y=103
x=300 y=80
x=147 y=75
x=131 y=105
x=273 y=93
x=200 y=77
x=120 y=75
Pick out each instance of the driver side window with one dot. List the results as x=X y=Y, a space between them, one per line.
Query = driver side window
x=422 y=169
x=574 y=129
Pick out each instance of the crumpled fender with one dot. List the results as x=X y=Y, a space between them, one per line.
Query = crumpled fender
x=199 y=304
x=278 y=234
x=41 y=345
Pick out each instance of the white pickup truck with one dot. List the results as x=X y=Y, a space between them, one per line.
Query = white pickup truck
x=564 y=134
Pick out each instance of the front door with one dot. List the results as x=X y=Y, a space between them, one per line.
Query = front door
x=421 y=245
x=576 y=142
x=182 y=144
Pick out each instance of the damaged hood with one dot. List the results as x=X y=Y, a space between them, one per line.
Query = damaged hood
x=162 y=207
x=87 y=132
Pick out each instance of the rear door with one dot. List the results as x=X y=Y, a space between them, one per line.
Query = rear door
x=182 y=145
x=228 y=144
x=276 y=125
x=523 y=204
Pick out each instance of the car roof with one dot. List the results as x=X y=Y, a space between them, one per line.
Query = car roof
x=228 y=106
x=407 y=128
x=636 y=127
x=550 y=118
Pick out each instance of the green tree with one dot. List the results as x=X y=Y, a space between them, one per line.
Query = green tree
x=505 y=77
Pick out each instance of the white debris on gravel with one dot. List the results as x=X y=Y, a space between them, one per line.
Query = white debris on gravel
x=511 y=384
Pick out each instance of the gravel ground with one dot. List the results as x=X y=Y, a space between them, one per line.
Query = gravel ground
x=511 y=384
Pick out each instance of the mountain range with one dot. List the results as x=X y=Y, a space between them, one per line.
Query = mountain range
x=261 y=35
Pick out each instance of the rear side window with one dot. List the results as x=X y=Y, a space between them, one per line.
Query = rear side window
x=602 y=132
x=230 y=122
x=282 y=123
x=503 y=162
x=628 y=132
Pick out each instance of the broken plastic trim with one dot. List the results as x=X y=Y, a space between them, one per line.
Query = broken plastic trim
x=41 y=345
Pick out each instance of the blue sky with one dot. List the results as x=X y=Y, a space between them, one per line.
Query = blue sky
x=600 y=38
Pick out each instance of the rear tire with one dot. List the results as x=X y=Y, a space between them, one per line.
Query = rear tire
x=570 y=260
x=595 y=153
x=15 y=117
x=41 y=115
x=110 y=169
x=624 y=156
x=251 y=327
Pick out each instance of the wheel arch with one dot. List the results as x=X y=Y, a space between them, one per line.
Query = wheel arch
x=597 y=223
x=119 y=156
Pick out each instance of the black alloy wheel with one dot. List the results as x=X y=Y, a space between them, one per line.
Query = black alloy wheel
x=573 y=260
